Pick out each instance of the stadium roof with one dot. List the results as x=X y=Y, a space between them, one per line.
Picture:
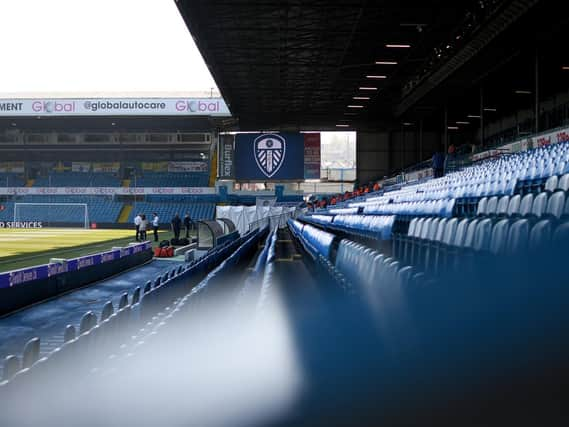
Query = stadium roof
x=307 y=64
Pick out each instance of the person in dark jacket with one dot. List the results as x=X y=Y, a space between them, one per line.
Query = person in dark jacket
x=438 y=164
x=176 y=226
x=187 y=224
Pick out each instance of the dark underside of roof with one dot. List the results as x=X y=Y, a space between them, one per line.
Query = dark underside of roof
x=298 y=64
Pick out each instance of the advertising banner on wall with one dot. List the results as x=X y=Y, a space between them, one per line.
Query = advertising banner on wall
x=104 y=191
x=226 y=161
x=312 y=156
x=187 y=167
x=266 y=157
x=114 y=107
x=110 y=167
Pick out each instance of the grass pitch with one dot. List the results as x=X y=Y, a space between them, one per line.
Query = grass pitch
x=23 y=248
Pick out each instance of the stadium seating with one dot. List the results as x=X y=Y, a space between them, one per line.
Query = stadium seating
x=97 y=335
x=11 y=180
x=166 y=211
x=78 y=179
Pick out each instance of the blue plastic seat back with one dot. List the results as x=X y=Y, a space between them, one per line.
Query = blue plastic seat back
x=551 y=183
x=503 y=204
x=460 y=233
x=540 y=235
x=483 y=235
x=441 y=230
x=556 y=204
x=482 y=203
x=492 y=205
x=518 y=237
x=563 y=183
x=419 y=227
x=526 y=205
x=514 y=205
x=426 y=228
x=320 y=240
x=561 y=234
x=450 y=231
x=470 y=233
x=432 y=232
x=412 y=226
x=539 y=204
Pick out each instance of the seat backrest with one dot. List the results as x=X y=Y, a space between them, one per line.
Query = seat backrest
x=499 y=236
x=460 y=233
x=419 y=227
x=526 y=205
x=556 y=204
x=492 y=205
x=518 y=236
x=482 y=203
x=470 y=233
x=440 y=230
x=540 y=235
x=426 y=228
x=450 y=231
x=433 y=229
x=514 y=205
x=561 y=234
x=482 y=235
x=503 y=204
x=412 y=226
x=563 y=183
x=539 y=204
x=551 y=183
x=108 y=310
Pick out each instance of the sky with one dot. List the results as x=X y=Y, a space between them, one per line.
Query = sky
x=98 y=48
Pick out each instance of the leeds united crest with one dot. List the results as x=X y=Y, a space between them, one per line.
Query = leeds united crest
x=270 y=152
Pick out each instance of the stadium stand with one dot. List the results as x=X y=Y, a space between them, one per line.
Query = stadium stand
x=11 y=180
x=78 y=179
x=167 y=210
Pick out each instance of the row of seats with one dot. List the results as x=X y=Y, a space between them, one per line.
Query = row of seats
x=437 y=245
x=82 y=344
x=442 y=208
x=78 y=179
x=11 y=180
x=544 y=204
x=166 y=211
x=368 y=226
x=494 y=177
x=359 y=265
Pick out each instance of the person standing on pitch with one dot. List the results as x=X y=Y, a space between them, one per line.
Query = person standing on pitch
x=137 y=220
x=143 y=227
x=155 y=225
x=187 y=224
x=176 y=226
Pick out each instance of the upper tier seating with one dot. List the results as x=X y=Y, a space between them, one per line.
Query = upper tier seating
x=166 y=211
x=11 y=180
x=78 y=179
x=520 y=172
x=173 y=179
